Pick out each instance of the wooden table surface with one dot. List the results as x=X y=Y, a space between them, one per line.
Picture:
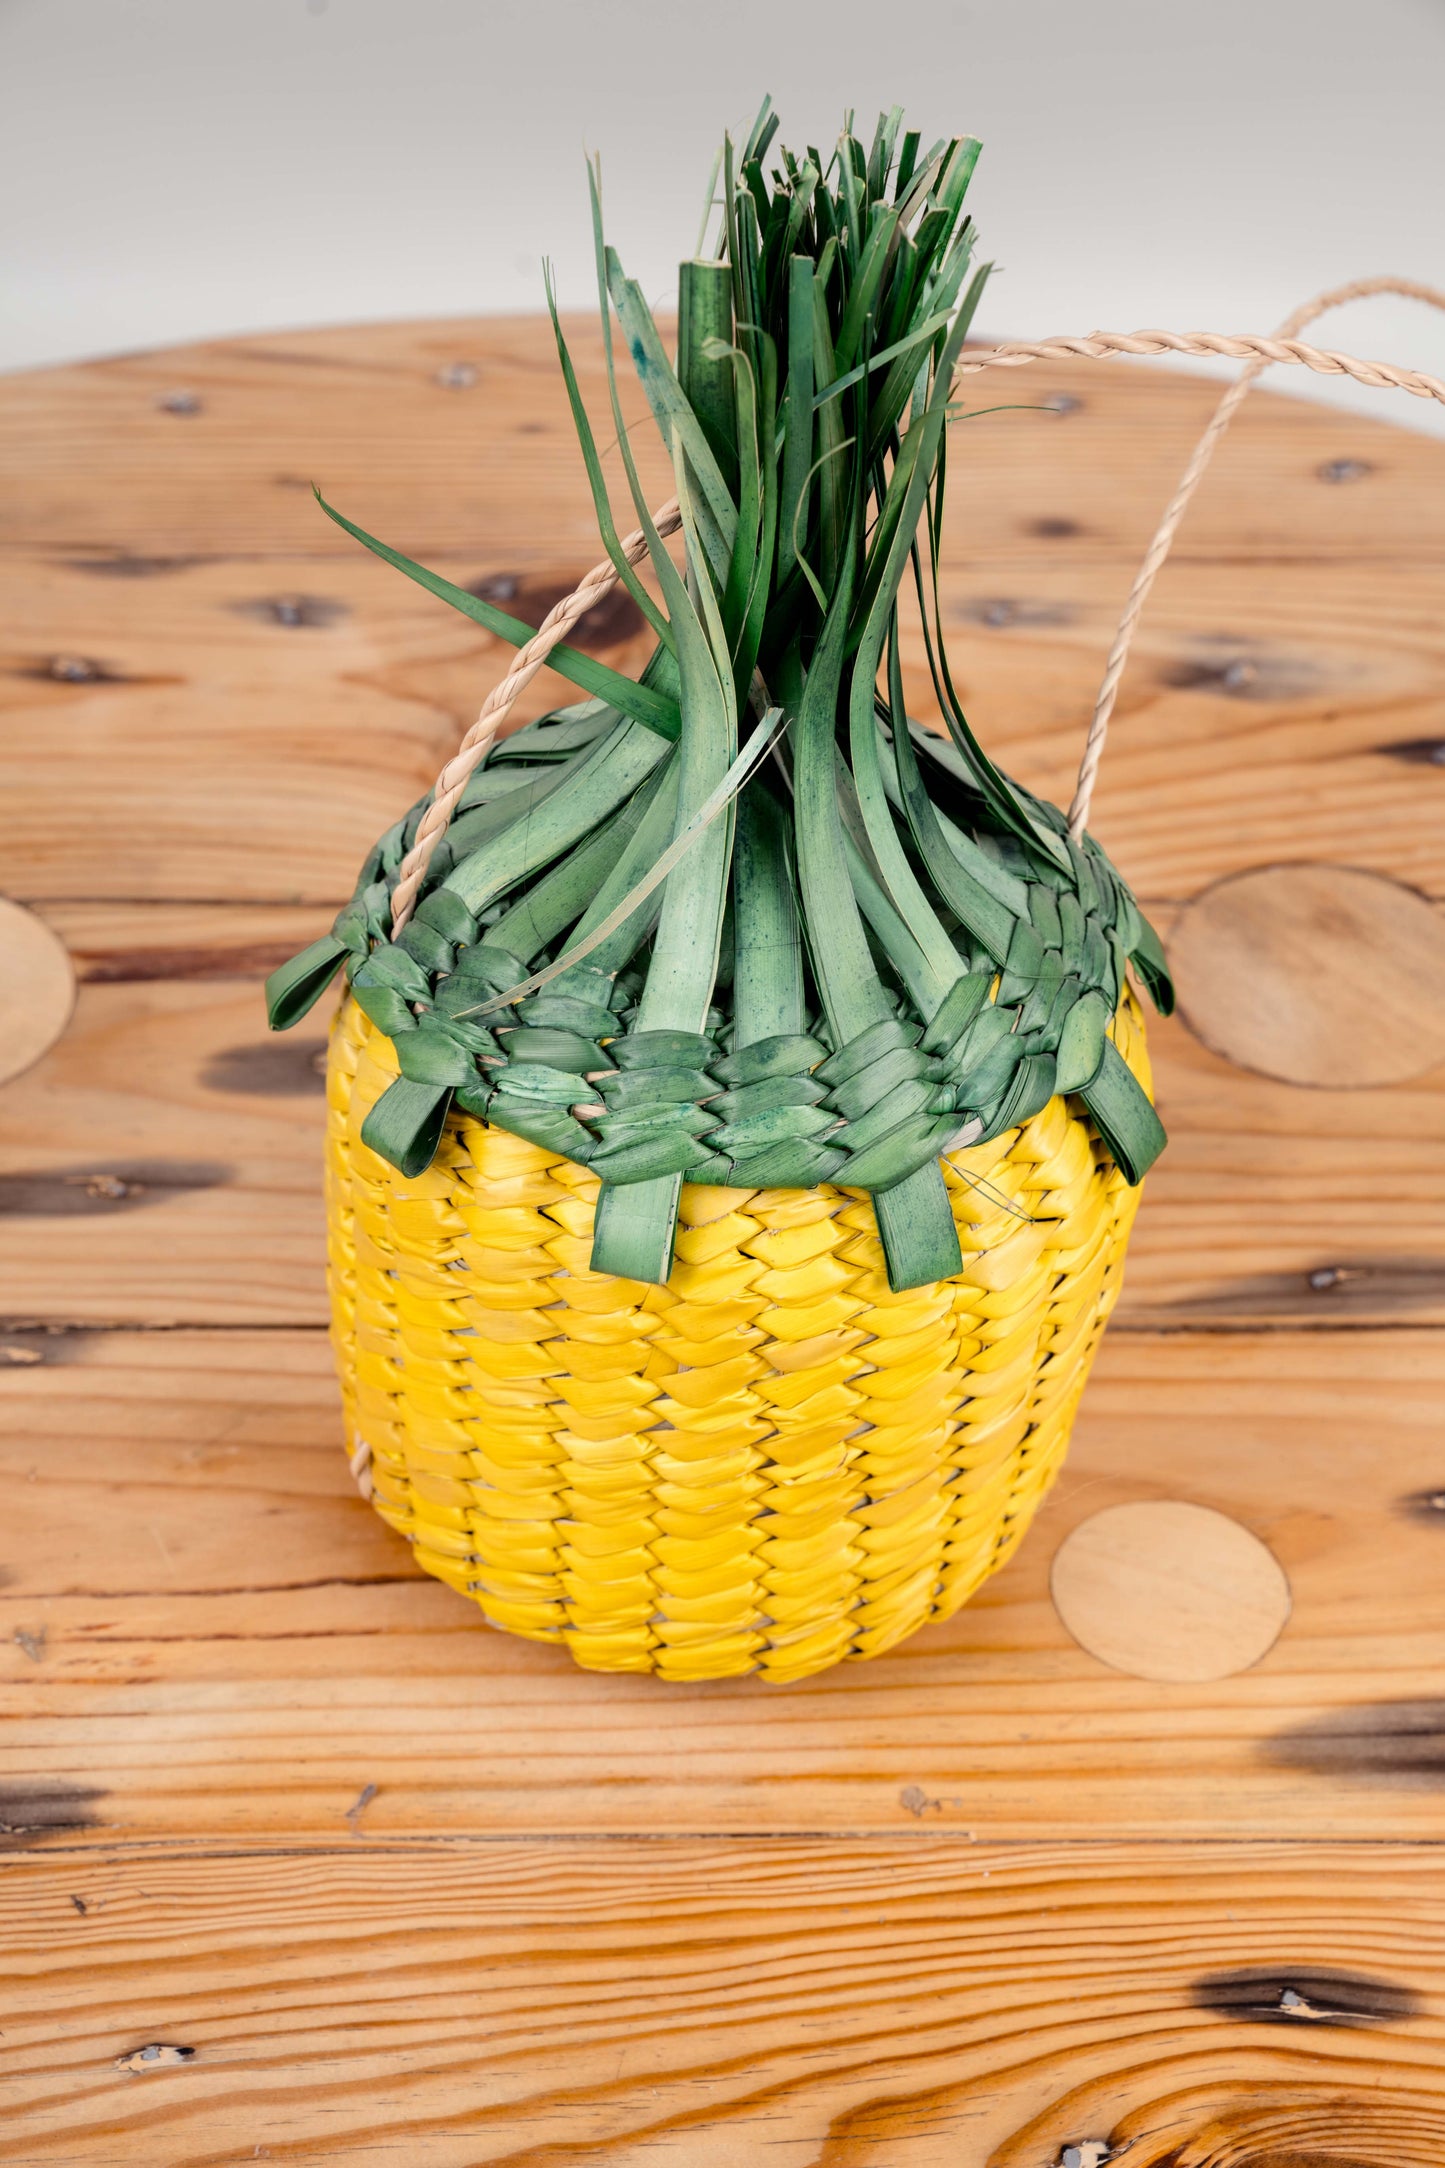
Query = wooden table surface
x=306 y=1865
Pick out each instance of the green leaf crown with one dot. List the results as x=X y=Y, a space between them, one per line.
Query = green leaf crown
x=880 y=947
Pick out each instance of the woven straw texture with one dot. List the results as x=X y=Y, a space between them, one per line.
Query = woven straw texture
x=769 y=1465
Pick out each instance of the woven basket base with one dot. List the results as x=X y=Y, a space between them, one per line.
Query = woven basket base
x=772 y=1463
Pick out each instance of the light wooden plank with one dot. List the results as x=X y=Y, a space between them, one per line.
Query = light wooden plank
x=329 y=703
x=1277 y=1204
x=121 y=944
x=914 y=2004
x=101 y=467
x=1291 y=657
x=163 y=1162
x=331 y=695
x=168 y=1084
x=317 y=734
x=104 y=469
x=206 y=1631
x=208 y=1642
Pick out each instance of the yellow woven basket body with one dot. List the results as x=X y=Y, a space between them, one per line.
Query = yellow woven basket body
x=770 y=1464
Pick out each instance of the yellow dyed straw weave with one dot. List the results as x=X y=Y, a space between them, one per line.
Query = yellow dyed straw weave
x=770 y=1464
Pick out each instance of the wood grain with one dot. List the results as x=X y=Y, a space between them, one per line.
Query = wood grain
x=165 y=566
x=913 y=2004
x=1315 y=974
x=101 y=467
x=204 y=1628
x=120 y=944
x=270 y=1796
x=164 y=1158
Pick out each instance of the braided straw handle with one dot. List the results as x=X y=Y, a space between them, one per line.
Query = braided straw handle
x=1283 y=346
x=1258 y=352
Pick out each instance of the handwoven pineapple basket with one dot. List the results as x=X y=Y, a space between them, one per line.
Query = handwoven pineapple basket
x=738 y=1108
x=770 y=1463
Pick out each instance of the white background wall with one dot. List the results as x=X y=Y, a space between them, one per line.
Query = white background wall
x=171 y=169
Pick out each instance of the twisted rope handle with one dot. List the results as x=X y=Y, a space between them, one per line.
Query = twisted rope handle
x=1258 y=352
